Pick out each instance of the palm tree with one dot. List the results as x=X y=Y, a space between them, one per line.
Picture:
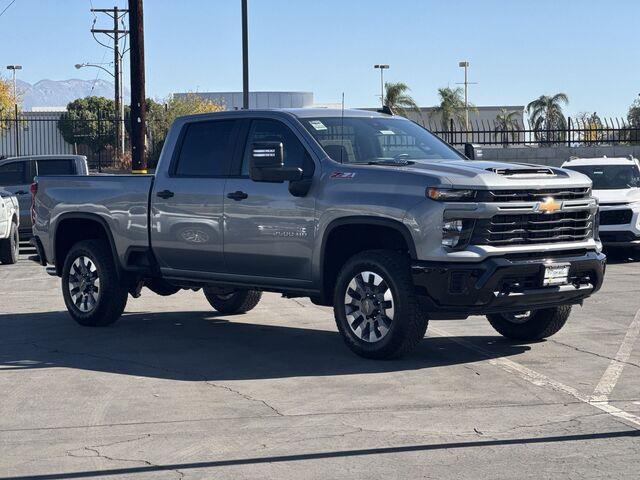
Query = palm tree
x=506 y=125
x=398 y=100
x=547 y=118
x=451 y=107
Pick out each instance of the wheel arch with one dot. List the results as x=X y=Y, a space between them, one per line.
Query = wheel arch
x=389 y=233
x=94 y=227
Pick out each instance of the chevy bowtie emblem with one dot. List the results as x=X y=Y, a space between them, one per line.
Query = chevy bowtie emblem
x=549 y=205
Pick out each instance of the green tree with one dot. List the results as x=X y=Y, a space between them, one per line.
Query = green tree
x=547 y=117
x=89 y=121
x=506 y=126
x=590 y=128
x=398 y=100
x=7 y=102
x=161 y=114
x=451 y=106
x=633 y=117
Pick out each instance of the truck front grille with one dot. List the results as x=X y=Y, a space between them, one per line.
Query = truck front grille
x=533 y=195
x=520 y=229
x=615 y=217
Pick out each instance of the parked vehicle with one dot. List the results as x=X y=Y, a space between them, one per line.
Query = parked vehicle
x=616 y=185
x=367 y=212
x=17 y=174
x=9 y=223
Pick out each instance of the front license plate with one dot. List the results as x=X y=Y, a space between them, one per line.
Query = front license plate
x=556 y=274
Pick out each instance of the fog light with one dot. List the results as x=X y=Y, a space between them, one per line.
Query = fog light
x=452 y=233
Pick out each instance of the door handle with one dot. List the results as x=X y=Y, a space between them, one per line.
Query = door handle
x=165 y=194
x=238 y=195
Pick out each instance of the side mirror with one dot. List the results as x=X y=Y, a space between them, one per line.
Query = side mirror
x=267 y=164
x=472 y=152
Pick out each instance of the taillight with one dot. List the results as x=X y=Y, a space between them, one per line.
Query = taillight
x=33 y=189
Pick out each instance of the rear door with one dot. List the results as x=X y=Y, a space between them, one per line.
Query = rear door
x=186 y=202
x=16 y=177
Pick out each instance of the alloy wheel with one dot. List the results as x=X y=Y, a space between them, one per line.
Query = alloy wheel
x=84 y=284
x=369 y=306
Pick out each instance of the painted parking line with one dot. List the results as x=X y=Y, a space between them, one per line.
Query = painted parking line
x=614 y=370
x=540 y=380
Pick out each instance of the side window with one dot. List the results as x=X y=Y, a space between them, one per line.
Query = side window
x=295 y=155
x=206 y=149
x=13 y=174
x=56 y=167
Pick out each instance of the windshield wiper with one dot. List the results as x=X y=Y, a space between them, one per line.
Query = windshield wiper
x=388 y=161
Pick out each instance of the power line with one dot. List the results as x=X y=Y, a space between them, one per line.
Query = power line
x=7 y=7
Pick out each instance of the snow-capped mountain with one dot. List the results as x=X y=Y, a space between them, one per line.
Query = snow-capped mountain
x=58 y=93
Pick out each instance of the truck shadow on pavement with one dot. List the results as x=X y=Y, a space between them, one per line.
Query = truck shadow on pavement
x=196 y=346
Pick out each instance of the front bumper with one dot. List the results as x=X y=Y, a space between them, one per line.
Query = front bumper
x=503 y=284
x=619 y=238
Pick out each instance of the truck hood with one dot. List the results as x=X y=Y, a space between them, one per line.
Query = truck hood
x=484 y=174
x=627 y=195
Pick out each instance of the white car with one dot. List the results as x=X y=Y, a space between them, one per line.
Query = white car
x=616 y=185
x=9 y=223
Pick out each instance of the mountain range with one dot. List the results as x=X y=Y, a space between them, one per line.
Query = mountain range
x=58 y=93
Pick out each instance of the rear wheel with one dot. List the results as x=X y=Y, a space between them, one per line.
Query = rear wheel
x=9 y=246
x=375 y=307
x=530 y=325
x=233 y=301
x=93 y=293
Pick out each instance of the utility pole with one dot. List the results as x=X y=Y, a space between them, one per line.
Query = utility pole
x=245 y=57
x=116 y=34
x=382 y=68
x=138 y=103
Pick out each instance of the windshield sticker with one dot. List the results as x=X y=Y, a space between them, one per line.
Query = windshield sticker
x=343 y=175
x=318 y=125
x=387 y=132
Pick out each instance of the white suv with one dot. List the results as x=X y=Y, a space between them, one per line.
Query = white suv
x=616 y=185
x=9 y=223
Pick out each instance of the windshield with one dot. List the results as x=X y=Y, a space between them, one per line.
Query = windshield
x=377 y=139
x=610 y=177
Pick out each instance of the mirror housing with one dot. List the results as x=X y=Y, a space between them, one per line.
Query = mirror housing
x=472 y=151
x=267 y=164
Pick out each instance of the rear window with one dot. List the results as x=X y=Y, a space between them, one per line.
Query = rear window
x=56 y=167
x=13 y=174
x=206 y=149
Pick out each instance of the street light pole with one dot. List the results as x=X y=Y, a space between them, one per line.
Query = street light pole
x=382 y=68
x=465 y=65
x=13 y=68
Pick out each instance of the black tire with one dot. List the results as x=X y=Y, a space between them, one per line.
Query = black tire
x=111 y=295
x=536 y=325
x=392 y=337
x=9 y=246
x=234 y=302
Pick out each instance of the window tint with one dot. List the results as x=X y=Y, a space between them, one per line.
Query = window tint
x=13 y=174
x=206 y=149
x=55 y=167
x=295 y=155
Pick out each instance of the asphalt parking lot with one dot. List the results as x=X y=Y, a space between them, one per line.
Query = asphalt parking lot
x=174 y=390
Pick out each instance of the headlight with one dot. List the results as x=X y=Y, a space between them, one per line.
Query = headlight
x=456 y=233
x=450 y=195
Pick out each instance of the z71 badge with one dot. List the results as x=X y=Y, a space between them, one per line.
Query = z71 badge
x=343 y=175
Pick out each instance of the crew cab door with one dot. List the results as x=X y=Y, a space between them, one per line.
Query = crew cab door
x=269 y=232
x=187 y=199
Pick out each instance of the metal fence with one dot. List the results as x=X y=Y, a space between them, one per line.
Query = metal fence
x=43 y=133
x=611 y=131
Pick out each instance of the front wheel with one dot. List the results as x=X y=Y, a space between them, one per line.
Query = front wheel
x=92 y=291
x=375 y=306
x=232 y=302
x=530 y=325
x=9 y=247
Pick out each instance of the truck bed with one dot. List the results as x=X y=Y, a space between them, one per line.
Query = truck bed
x=121 y=202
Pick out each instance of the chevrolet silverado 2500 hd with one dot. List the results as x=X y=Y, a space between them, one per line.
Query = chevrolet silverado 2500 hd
x=364 y=211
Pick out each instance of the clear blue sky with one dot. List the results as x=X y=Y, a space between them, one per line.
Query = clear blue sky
x=518 y=49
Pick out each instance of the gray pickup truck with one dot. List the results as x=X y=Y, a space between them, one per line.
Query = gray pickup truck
x=363 y=211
